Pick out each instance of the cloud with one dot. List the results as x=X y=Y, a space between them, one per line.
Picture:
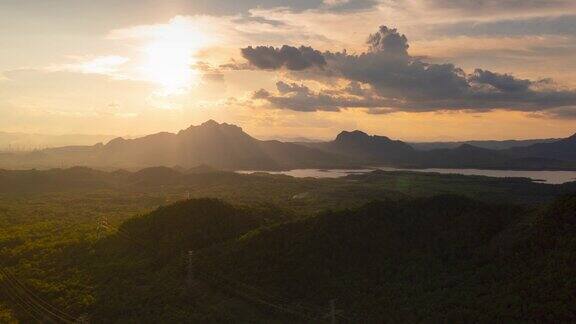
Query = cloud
x=106 y=65
x=288 y=57
x=554 y=25
x=557 y=113
x=388 y=41
x=497 y=5
x=209 y=73
x=348 y=5
x=502 y=82
x=397 y=81
x=299 y=97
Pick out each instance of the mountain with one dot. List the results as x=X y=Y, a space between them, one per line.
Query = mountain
x=372 y=150
x=221 y=146
x=557 y=155
x=464 y=156
x=564 y=149
x=361 y=147
x=488 y=144
x=228 y=147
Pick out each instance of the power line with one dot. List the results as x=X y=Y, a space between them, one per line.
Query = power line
x=243 y=293
x=126 y=235
x=23 y=303
x=19 y=302
x=40 y=301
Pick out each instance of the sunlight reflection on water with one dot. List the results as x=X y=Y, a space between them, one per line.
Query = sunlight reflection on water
x=552 y=177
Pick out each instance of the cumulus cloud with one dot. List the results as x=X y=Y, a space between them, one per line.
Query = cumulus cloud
x=386 y=76
x=288 y=57
x=388 y=41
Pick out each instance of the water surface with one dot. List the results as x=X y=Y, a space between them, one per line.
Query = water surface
x=552 y=177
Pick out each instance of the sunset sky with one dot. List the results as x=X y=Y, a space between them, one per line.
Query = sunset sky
x=415 y=70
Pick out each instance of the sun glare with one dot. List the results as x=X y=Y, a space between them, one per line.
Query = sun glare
x=170 y=56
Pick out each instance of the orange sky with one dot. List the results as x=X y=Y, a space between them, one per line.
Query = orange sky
x=145 y=66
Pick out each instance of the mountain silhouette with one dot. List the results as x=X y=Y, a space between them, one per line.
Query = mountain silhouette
x=465 y=155
x=563 y=149
x=361 y=147
x=227 y=147
x=219 y=145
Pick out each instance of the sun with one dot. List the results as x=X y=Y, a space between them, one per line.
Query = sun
x=170 y=55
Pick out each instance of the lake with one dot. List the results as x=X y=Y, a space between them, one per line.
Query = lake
x=552 y=177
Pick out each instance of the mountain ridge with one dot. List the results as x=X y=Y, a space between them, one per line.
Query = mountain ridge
x=229 y=147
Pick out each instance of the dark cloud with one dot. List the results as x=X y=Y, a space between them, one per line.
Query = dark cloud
x=400 y=77
x=502 y=82
x=299 y=97
x=288 y=57
x=388 y=41
x=386 y=76
x=284 y=88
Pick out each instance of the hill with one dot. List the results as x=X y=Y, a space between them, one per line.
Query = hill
x=440 y=259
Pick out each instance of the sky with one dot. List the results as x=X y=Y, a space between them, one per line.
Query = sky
x=416 y=70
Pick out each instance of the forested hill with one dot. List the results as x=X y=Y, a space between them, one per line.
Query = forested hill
x=439 y=259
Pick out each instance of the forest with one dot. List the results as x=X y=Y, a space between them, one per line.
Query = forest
x=199 y=246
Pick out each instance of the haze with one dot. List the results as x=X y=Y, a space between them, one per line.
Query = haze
x=432 y=70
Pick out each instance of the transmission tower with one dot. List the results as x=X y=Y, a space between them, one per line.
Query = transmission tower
x=103 y=226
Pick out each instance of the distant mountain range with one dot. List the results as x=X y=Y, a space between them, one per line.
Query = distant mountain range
x=364 y=149
x=488 y=144
x=228 y=147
